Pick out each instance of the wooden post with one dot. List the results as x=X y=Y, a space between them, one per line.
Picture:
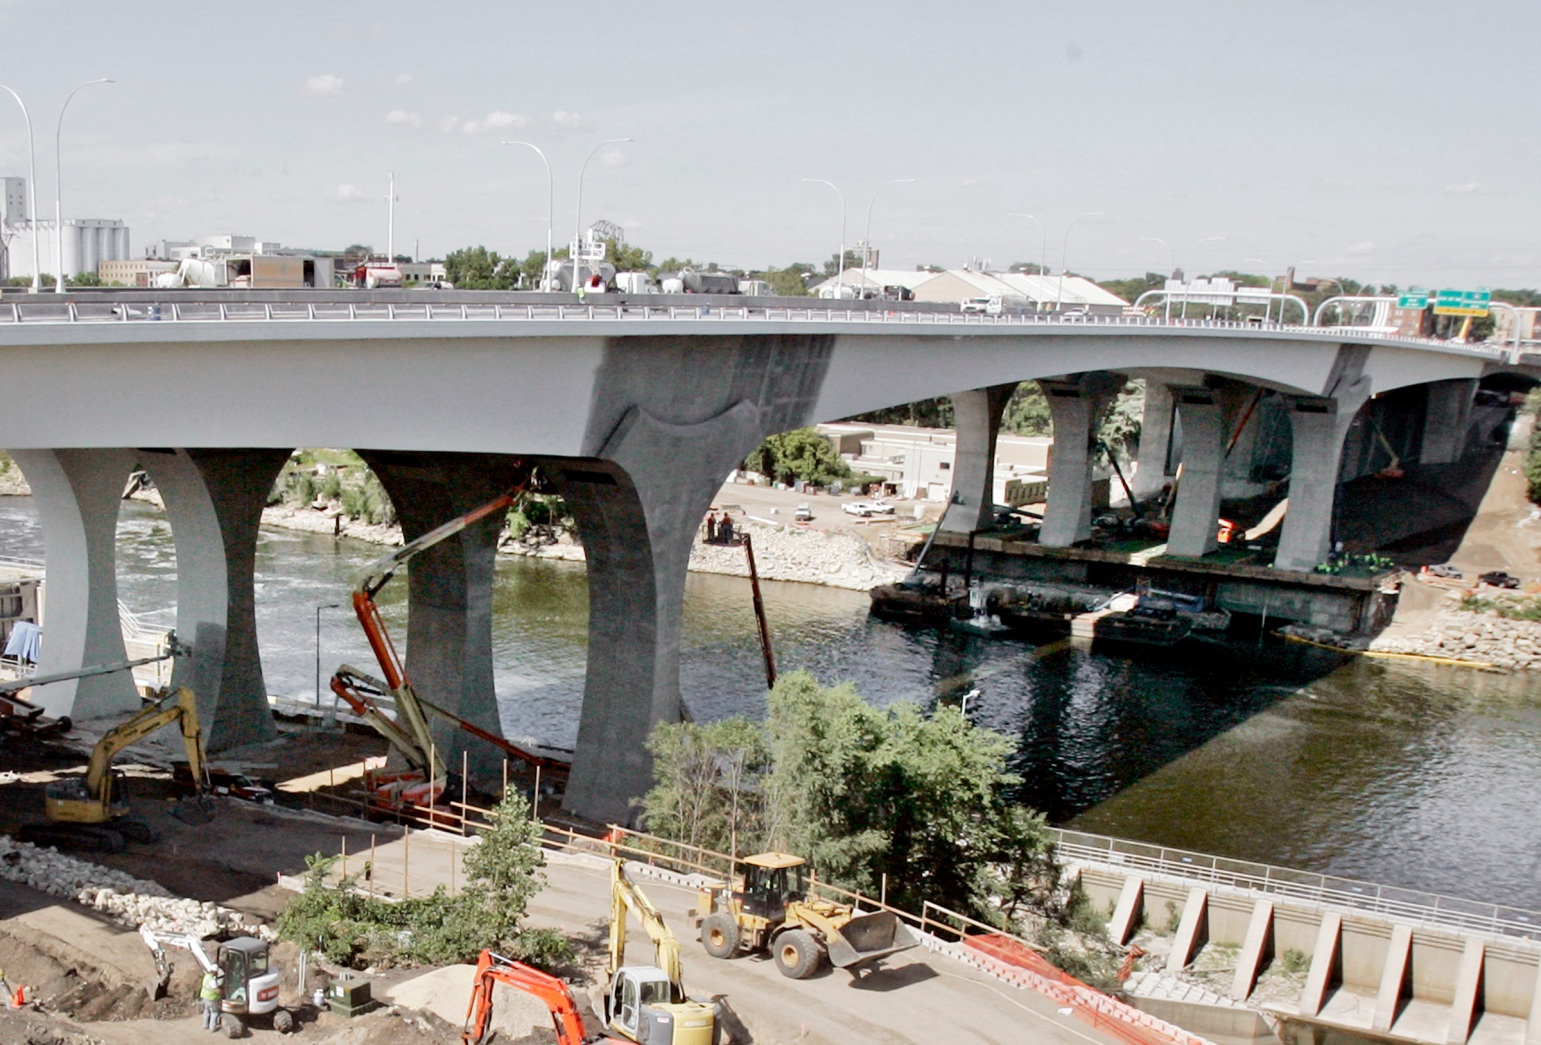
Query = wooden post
x=535 y=798
x=370 y=877
x=465 y=773
x=345 y=856
x=406 y=857
x=454 y=858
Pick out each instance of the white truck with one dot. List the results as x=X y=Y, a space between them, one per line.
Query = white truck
x=998 y=304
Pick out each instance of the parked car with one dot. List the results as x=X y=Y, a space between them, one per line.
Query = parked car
x=1498 y=579
x=803 y=513
x=224 y=782
x=867 y=509
x=1444 y=570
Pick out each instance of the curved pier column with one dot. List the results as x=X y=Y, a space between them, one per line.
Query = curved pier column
x=670 y=418
x=214 y=501
x=77 y=494
x=449 y=591
x=1208 y=414
x=1155 y=441
x=1076 y=407
x=978 y=419
x=1319 y=425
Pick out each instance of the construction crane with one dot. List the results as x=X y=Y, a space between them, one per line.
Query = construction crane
x=92 y=811
x=424 y=779
x=492 y=969
x=647 y=1003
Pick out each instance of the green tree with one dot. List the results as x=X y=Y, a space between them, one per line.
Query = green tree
x=923 y=413
x=790 y=282
x=1027 y=412
x=852 y=261
x=801 y=455
x=627 y=258
x=1533 y=459
x=477 y=268
x=503 y=869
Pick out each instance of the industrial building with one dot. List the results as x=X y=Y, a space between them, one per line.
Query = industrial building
x=87 y=242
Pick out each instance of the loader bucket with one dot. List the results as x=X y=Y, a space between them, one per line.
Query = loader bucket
x=867 y=937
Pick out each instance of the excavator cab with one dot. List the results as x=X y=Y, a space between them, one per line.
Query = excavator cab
x=768 y=887
x=251 y=985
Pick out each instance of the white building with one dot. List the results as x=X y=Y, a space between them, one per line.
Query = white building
x=916 y=463
x=87 y=242
x=1037 y=293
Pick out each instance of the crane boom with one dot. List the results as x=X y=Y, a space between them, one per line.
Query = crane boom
x=494 y=968
x=410 y=733
x=181 y=707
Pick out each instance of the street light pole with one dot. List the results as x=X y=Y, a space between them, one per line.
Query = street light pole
x=59 y=188
x=319 y=608
x=37 y=264
x=578 y=236
x=1043 y=250
x=1059 y=294
x=867 y=243
x=840 y=262
x=390 y=228
x=545 y=273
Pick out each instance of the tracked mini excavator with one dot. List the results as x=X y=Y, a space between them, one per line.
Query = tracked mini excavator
x=422 y=782
x=249 y=984
x=92 y=811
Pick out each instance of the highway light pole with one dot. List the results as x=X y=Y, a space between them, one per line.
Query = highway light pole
x=545 y=273
x=1059 y=294
x=578 y=236
x=37 y=264
x=840 y=261
x=319 y=608
x=59 y=188
x=1043 y=253
x=867 y=243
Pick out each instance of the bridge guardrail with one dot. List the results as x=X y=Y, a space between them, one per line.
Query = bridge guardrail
x=104 y=312
x=1406 y=905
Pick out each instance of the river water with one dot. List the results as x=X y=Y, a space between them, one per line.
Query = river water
x=1410 y=774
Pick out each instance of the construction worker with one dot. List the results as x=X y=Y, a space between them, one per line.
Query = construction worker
x=210 y=992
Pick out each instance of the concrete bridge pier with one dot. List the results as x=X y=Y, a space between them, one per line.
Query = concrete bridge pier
x=1155 y=441
x=978 y=418
x=1076 y=406
x=214 y=501
x=1208 y=415
x=671 y=417
x=449 y=590
x=1446 y=420
x=77 y=494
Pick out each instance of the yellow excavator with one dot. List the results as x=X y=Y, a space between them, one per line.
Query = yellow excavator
x=647 y=1003
x=92 y=812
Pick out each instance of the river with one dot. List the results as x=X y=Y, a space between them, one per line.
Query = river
x=1410 y=774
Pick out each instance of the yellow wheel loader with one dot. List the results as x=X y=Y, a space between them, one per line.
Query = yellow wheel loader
x=772 y=910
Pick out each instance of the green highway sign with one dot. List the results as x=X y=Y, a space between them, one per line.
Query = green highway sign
x=1417 y=297
x=1463 y=302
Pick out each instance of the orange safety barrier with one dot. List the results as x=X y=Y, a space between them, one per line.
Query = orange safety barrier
x=1018 y=964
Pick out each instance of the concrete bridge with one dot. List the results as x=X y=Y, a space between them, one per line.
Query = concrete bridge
x=636 y=413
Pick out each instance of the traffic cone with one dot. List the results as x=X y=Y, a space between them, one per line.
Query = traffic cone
x=19 y=999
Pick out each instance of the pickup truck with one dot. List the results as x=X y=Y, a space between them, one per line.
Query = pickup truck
x=867 y=509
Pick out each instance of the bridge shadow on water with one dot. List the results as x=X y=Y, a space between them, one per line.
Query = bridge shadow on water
x=1090 y=723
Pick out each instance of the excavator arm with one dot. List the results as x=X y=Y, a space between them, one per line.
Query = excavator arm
x=624 y=896
x=179 y=706
x=494 y=968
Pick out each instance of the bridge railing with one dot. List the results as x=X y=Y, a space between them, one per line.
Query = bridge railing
x=196 y=310
x=1404 y=905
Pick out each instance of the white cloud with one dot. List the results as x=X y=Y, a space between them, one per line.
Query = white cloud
x=449 y=124
x=569 y=120
x=326 y=85
x=403 y=79
x=1463 y=189
x=347 y=193
x=496 y=120
x=1363 y=247
x=616 y=158
x=404 y=118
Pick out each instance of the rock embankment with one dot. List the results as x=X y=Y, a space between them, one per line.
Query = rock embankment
x=791 y=553
x=132 y=901
x=1477 y=636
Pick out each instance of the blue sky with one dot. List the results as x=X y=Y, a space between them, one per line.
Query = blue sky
x=1387 y=141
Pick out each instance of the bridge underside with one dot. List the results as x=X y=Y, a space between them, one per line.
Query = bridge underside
x=638 y=456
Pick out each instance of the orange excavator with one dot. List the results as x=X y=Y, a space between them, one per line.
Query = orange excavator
x=493 y=969
x=423 y=781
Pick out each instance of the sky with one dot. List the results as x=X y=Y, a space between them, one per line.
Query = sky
x=1390 y=141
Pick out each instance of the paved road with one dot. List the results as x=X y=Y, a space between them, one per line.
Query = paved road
x=914 y=996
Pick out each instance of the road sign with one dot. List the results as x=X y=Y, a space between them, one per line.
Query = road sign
x=1414 y=297
x=1462 y=302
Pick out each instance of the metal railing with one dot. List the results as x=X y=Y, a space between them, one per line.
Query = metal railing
x=105 y=312
x=1394 y=902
